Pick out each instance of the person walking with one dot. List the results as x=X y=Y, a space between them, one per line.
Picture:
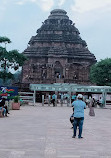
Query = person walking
x=73 y=98
x=91 y=107
x=101 y=102
x=79 y=105
x=54 y=99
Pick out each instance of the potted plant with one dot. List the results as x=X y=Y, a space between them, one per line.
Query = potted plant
x=16 y=103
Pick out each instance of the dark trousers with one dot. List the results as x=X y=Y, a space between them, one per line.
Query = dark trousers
x=53 y=101
x=6 y=109
x=78 y=122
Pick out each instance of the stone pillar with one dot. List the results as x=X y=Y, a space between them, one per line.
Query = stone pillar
x=34 y=97
x=61 y=99
x=42 y=100
x=69 y=99
x=56 y=98
x=104 y=94
x=49 y=100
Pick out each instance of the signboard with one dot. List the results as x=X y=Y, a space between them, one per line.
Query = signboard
x=62 y=87
x=8 y=92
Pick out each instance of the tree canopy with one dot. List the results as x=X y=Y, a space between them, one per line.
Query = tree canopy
x=9 y=60
x=101 y=72
x=4 y=40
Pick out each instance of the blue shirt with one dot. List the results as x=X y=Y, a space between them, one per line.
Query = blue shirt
x=74 y=97
x=53 y=96
x=79 y=106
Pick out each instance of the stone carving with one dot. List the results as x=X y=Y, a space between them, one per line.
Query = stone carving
x=57 y=53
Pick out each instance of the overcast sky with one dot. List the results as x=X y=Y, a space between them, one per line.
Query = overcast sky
x=20 y=19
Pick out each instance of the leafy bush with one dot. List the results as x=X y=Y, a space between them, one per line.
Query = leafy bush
x=16 y=99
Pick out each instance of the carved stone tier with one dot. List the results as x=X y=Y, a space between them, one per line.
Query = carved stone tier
x=57 y=53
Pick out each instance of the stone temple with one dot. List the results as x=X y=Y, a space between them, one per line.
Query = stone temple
x=57 y=54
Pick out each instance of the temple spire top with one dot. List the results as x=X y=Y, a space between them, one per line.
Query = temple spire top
x=58 y=14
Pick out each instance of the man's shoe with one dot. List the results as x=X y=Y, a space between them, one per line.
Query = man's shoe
x=80 y=137
x=73 y=136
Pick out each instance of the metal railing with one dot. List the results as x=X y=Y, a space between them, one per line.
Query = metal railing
x=27 y=97
x=60 y=101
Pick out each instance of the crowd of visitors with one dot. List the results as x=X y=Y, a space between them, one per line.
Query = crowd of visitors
x=79 y=103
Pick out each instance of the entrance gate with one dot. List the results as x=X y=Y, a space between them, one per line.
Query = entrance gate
x=69 y=88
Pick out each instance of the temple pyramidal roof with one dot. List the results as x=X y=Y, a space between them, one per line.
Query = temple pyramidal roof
x=58 y=29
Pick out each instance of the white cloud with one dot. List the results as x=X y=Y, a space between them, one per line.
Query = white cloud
x=45 y=5
x=3 y=5
x=88 y=5
x=61 y=2
x=33 y=0
x=22 y=2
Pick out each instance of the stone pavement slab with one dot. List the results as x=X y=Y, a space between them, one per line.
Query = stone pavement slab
x=45 y=132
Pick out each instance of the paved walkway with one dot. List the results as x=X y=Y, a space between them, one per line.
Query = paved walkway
x=45 y=132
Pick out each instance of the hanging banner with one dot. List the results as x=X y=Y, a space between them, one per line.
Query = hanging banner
x=8 y=92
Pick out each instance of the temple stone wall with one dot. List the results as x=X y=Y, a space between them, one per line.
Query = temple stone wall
x=57 y=54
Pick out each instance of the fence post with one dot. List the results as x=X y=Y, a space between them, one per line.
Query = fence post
x=104 y=94
x=34 y=97
x=69 y=99
x=61 y=99
x=49 y=99
x=42 y=100
x=55 y=98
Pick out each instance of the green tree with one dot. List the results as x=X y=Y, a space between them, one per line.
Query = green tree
x=101 y=72
x=9 y=60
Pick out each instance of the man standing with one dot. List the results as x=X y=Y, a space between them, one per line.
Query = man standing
x=54 y=99
x=79 y=106
x=91 y=107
